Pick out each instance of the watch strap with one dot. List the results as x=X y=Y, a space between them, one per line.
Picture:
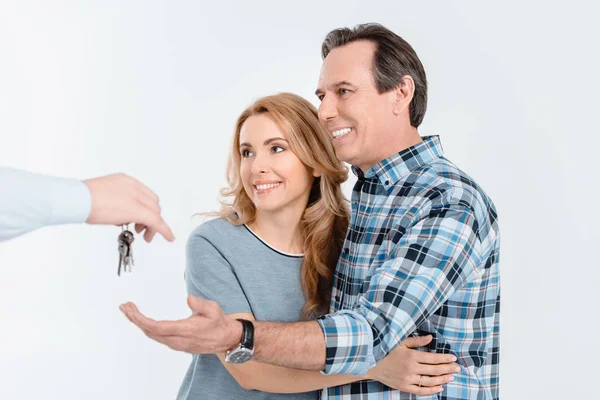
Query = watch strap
x=247 y=334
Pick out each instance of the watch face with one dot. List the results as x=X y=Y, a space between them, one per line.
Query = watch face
x=240 y=356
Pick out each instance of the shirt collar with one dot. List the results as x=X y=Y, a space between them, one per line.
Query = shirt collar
x=399 y=165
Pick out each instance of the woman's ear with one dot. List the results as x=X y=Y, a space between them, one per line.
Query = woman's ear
x=316 y=174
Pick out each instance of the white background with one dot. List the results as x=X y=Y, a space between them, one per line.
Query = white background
x=153 y=89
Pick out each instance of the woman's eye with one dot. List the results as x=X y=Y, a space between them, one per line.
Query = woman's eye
x=246 y=153
x=277 y=149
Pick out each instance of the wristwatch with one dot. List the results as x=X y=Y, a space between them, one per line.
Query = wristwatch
x=244 y=351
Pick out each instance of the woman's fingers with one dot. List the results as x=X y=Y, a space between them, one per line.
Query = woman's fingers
x=437 y=370
x=433 y=358
x=427 y=385
x=430 y=381
x=414 y=342
x=423 y=391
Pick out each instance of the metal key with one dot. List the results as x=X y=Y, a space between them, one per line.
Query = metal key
x=125 y=251
x=122 y=254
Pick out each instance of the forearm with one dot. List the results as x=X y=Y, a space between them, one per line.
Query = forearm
x=298 y=345
x=30 y=201
x=275 y=379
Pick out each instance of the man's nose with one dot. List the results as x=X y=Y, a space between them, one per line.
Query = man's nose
x=328 y=109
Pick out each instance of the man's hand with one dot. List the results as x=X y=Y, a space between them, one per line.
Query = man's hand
x=415 y=371
x=207 y=331
x=119 y=199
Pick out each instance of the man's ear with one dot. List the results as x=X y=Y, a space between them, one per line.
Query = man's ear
x=403 y=94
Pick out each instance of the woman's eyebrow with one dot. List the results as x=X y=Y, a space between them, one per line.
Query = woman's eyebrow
x=266 y=142
x=273 y=139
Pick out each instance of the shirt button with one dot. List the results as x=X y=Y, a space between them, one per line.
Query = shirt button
x=346 y=250
x=337 y=298
x=387 y=183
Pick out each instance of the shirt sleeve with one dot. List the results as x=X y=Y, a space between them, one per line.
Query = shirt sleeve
x=434 y=257
x=210 y=276
x=30 y=201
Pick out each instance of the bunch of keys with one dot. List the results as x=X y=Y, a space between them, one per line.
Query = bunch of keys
x=125 y=252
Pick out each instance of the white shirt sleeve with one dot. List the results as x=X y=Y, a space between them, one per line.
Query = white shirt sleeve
x=30 y=201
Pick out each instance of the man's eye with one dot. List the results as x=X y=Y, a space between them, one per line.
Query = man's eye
x=343 y=91
x=320 y=97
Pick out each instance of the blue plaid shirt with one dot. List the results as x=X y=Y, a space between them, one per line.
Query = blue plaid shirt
x=420 y=257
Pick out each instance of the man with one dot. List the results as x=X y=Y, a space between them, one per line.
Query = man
x=30 y=201
x=421 y=253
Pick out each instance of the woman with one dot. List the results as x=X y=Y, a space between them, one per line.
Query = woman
x=272 y=253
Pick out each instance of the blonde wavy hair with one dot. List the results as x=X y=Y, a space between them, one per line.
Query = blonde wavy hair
x=325 y=220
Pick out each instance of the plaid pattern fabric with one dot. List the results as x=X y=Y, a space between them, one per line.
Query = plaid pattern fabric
x=420 y=257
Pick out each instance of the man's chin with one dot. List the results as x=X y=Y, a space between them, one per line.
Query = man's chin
x=345 y=154
x=347 y=159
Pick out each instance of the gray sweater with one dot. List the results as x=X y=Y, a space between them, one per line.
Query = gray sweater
x=234 y=267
